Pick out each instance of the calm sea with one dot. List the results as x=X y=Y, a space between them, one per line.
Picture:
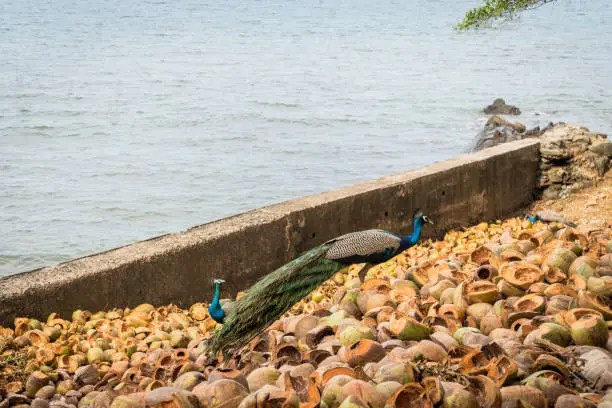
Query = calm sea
x=121 y=120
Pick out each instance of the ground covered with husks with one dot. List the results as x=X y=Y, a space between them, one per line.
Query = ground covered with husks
x=507 y=313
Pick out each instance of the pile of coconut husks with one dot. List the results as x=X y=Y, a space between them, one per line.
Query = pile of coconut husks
x=504 y=314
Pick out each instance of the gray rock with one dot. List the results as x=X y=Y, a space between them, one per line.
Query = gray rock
x=535 y=132
x=557 y=175
x=602 y=149
x=499 y=107
x=498 y=121
x=601 y=164
x=574 y=188
x=545 y=166
x=551 y=193
x=498 y=130
x=543 y=181
x=555 y=154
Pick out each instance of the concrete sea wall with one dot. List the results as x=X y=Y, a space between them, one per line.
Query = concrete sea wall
x=178 y=268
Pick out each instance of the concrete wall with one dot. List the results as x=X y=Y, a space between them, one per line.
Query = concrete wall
x=178 y=268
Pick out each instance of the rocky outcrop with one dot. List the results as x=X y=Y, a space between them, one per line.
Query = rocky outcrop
x=499 y=107
x=498 y=130
x=571 y=159
x=602 y=149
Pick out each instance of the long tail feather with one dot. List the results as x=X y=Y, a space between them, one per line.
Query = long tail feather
x=271 y=297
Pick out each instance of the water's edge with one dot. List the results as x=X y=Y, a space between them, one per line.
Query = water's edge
x=125 y=120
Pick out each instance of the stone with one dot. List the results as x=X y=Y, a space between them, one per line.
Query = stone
x=557 y=175
x=499 y=107
x=601 y=164
x=543 y=181
x=602 y=149
x=498 y=121
x=574 y=188
x=498 y=130
x=555 y=154
x=551 y=193
x=545 y=166
x=535 y=132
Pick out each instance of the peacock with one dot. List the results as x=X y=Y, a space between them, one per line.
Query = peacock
x=219 y=309
x=551 y=216
x=274 y=294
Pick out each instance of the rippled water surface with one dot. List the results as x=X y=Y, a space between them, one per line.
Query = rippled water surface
x=122 y=120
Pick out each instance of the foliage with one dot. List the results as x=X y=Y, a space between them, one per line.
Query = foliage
x=15 y=365
x=496 y=9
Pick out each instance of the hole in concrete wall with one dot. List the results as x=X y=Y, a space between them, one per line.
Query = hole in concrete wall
x=443 y=192
x=386 y=213
x=313 y=234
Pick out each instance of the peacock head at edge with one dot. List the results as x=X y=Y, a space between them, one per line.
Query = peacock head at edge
x=217 y=281
x=420 y=218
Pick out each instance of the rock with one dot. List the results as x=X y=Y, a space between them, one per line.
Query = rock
x=499 y=107
x=551 y=193
x=574 y=188
x=535 y=132
x=601 y=164
x=557 y=175
x=543 y=181
x=498 y=121
x=494 y=137
x=555 y=153
x=602 y=149
x=498 y=130
x=545 y=166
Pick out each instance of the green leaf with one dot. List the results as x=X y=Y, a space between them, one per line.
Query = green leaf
x=493 y=10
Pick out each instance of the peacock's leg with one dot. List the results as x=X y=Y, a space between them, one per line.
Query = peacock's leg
x=363 y=271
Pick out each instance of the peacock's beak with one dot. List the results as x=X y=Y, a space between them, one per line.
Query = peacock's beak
x=427 y=220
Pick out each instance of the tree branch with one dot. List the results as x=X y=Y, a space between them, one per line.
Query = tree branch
x=497 y=9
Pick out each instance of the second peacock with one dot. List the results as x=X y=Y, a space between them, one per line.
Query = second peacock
x=274 y=294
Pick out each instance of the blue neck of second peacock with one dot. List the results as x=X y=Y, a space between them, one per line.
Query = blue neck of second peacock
x=418 y=226
x=215 y=302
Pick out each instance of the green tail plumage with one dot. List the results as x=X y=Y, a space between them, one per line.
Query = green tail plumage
x=271 y=297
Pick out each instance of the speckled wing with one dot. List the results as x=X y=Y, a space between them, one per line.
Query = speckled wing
x=227 y=306
x=362 y=243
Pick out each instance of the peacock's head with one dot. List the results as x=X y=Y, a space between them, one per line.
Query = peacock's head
x=217 y=281
x=421 y=219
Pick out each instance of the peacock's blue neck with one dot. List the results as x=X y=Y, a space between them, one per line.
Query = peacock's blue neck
x=413 y=238
x=215 y=309
x=416 y=234
x=215 y=301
